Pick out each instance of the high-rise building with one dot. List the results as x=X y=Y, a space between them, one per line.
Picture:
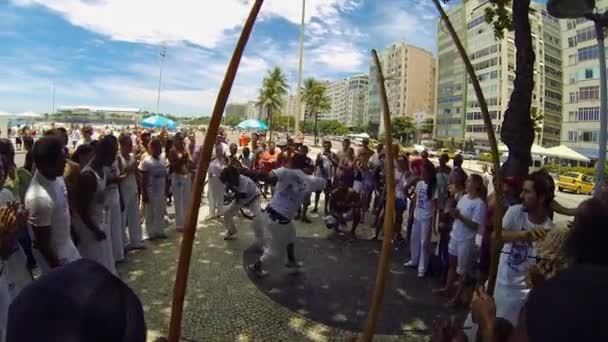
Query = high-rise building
x=348 y=100
x=410 y=83
x=254 y=111
x=580 y=130
x=458 y=115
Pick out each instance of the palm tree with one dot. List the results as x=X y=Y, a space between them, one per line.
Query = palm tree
x=274 y=89
x=316 y=99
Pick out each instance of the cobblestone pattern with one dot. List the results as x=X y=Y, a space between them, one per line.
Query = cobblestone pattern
x=221 y=302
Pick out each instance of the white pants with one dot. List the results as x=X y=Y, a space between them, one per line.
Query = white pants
x=66 y=254
x=281 y=235
x=114 y=220
x=155 y=214
x=509 y=302
x=215 y=195
x=17 y=274
x=5 y=301
x=463 y=250
x=421 y=229
x=93 y=249
x=130 y=218
x=181 y=187
x=258 y=221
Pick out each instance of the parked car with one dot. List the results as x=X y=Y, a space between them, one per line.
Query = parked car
x=469 y=156
x=577 y=182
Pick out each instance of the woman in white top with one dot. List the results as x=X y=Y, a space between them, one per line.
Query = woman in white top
x=127 y=166
x=90 y=225
x=179 y=167
x=153 y=177
x=469 y=219
x=113 y=211
x=425 y=199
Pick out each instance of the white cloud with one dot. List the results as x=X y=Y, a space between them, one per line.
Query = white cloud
x=195 y=21
x=339 y=56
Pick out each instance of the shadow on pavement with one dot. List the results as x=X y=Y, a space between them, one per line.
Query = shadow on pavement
x=336 y=283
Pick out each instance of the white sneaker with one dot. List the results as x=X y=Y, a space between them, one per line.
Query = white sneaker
x=410 y=264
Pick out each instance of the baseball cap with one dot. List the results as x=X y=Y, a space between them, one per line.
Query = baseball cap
x=80 y=301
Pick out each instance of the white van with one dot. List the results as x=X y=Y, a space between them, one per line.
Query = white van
x=537 y=163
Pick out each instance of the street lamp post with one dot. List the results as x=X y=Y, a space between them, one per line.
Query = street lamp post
x=298 y=91
x=160 y=76
x=580 y=9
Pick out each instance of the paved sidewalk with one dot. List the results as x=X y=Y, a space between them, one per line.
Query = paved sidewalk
x=222 y=304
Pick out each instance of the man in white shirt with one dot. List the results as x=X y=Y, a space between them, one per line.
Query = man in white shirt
x=292 y=186
x=523 y=225
x=216 y=189
x=247 y=195
x=46 y=201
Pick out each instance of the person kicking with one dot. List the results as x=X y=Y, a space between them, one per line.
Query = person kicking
x=344 y=206
x=292 y=185
x=247 y=195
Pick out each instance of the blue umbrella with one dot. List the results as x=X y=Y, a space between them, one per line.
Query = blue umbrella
x=253 y=124
x=158 y=121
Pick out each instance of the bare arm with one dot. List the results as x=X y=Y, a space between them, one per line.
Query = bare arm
x=558 y=208
x=42 y=236
x=144 y=186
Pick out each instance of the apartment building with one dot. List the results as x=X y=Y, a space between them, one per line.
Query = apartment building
x=458 y=114
x=348 y=100
x=410 y=83
x=580 y=125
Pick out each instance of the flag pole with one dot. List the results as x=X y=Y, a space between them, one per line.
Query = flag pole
x=389 y=212
x=183 y=267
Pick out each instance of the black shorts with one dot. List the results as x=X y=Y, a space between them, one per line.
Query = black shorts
x=18 y=141
x=328 y=187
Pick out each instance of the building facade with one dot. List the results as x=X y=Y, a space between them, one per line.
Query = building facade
x=254 y=111
x=410 y=83
x=581 y=85
x=93 y=114
x=348 y=101
x=458 y=114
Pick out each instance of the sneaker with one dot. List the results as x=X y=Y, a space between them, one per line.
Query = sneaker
x=293 y=264
x=410 y=264
x=420 y=274
x=257 y=270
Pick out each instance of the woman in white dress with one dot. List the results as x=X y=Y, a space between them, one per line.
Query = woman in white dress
x=127 y=165
x=153 y=177
x=91 y=226
x=112 y=208
x=180 y=163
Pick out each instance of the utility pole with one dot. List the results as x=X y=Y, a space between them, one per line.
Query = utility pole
x=163 y=53
x=298 y=91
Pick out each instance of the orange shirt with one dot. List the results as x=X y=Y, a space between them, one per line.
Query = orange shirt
x=244 y=140
x=269 y=161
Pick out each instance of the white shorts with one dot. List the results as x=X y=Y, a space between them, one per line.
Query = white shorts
x=463 y=251
x=358 y=186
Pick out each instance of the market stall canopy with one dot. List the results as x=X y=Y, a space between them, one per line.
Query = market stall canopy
x=536 y=149
x=253 y=124
x=158 y=121
x=565 y=152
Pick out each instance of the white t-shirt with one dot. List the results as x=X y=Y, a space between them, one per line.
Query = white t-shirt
x=401 y=180
x=291 y=189
x=424 y=207
x=215 y=168
x=325 y=170
x=157 y=173
x=248 y=188
x=47 y=203
x=517 y=257
x=473 y=209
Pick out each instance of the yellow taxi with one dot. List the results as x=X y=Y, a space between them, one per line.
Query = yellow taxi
x=577 y=182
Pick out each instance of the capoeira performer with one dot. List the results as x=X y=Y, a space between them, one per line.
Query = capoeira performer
x=247 y=195
x=292 y=185
x=216 y=190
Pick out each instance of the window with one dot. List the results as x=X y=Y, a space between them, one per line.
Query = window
x=572 y=59
x=571 y=24
x=553 y=95
x=588 y=74
x=572 y=41
x=572 y=135
x=571 y=116
x=553 y=107
x=486 y=64
x=573 y=97
x=589 y=136
x=588 y=53
x=589 y=93
x=450 y=99
x=586 y=34
x=588 y=114
x=572 y=79
x=476 y=22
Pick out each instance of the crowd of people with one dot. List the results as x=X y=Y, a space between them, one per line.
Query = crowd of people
x=100 y=197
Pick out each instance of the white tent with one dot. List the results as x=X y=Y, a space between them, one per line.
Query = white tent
x=536 y=149
x=360 y=136
x=565 y=152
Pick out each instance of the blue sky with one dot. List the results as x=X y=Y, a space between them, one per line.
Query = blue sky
x=106 y=52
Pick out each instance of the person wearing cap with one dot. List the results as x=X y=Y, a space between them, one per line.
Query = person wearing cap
x=87 y=135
